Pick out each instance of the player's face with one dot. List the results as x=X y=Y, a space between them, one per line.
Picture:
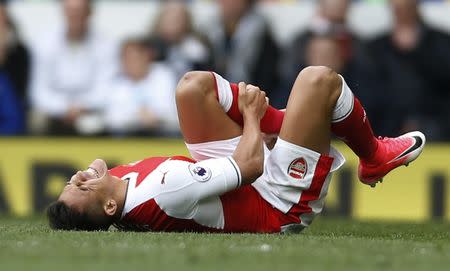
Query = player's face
x=88 y=190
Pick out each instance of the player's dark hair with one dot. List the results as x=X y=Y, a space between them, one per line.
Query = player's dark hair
x=62 y=217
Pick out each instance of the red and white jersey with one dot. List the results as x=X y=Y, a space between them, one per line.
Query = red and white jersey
x=179 y=194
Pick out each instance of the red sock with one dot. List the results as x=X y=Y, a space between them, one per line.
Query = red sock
x=270 y=123
x=355 y=130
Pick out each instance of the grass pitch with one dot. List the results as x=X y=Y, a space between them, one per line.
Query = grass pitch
x=329 y=244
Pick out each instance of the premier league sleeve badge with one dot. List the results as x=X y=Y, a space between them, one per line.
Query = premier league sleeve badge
x=200 y=173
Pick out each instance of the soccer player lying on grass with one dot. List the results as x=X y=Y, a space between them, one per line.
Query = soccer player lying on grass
x=234 y=183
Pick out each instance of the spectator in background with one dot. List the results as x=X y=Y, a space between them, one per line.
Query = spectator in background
x=325 y=50
x=185 y=49
x=413 y=64
x=141 y=100
x=11 y=109
x=329 y=42
x=330 y=19
x=71 y=64
x=243 y=46
x=14 y=61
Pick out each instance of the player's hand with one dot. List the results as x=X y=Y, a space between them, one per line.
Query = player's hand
x=252 y=100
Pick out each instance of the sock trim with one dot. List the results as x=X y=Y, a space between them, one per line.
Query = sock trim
x=223 y=91
x=345 y=103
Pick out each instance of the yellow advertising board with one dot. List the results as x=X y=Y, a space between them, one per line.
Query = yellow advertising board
x=34 y=170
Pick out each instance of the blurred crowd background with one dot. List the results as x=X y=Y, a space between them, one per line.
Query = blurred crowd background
x=75 y=80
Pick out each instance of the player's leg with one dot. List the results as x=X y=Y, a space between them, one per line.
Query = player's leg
x=310 y=107
x=298 y=170
x=227 y=95
x=378 y=156
x=201 y=117
x=316 y=87
x=320 y=97
x=208 y=109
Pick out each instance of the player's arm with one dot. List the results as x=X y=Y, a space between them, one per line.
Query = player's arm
x=249 y=154
x=216 y=176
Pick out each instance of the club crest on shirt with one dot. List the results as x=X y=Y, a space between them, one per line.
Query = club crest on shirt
x=199 y=173
x=298 y=168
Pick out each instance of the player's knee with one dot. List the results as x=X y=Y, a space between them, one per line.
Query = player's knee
x=194 y=84
x=321 y=78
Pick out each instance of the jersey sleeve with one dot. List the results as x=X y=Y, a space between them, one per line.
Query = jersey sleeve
x=216 y=176
x=185 y=186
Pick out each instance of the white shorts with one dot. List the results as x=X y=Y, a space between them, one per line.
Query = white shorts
x=295 y=179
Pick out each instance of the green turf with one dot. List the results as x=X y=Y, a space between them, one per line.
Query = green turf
x=330 y=244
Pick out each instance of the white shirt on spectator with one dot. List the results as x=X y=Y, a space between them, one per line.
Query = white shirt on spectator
x=156 y=93
x=71 y=73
